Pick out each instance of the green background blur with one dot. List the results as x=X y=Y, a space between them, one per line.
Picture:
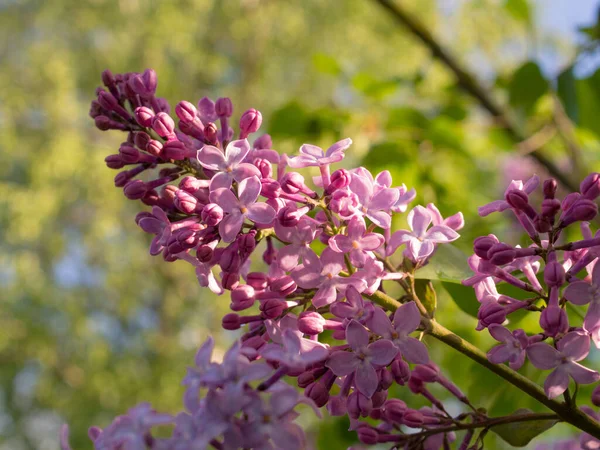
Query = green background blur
x=91 y=324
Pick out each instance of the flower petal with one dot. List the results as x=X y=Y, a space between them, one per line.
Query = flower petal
x=581 y=374
x=230 y=226
x=225 y=199
x=342 y=363
x=556 y=383
x=382 y=352
x=236 y=151
x=579 y=292
x=249 y=190
x=211 y=158
x=441 y=233
x=312 y=150
x=357 y=335
x=413 y=350
x=379 y=323
x=407 y=318
x=261 y=213
x=543 y=356
x=366 y=379
x=384 y=199
x=419 y=219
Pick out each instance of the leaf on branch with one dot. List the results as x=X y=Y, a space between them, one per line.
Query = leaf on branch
x=519 y=434
x=448 y=264
x=527 y=86
x=426 y=293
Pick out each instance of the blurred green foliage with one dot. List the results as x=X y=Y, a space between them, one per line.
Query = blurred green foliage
x=91 y=324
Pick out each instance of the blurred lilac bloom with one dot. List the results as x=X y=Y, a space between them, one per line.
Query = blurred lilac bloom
x=229 y=166
x=356 y=241
x=513 y=348
x=364 y=358
x=291 y=355
x=407 y=319
x=242 y=208
x=501 y=205
x=574 y=347
x=311 y=155
x=581 y=293
x=374 y=204
x=300 y=237
x=158 y=224
x=272 y=421
x=587 y=441
x=276 y=329
x=325 y=278
x=206 y=110
x=455 y=221
x=420 y=241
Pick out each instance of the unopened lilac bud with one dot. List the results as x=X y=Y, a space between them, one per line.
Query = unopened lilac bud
x=517 y=199
x=289 y=216
x=154 y=148
x=358 y=405
x=554 y=274
x=230 y=280
x=590 y=186
x=204 y=253
x=265 y=167
x=596 y=396
x=107 y=100
x=283 y=286
x=400 y=371
x=339 y=180
x=211 y=133
x=135 y=190
x=310 y=376
x=231 y=322
x=583 y=210
x=554 y=321
x=386 y=379
x=230 y=259
x=250 y=122
x=186 y=112
x=114 y=162
x=175 y=149
x=489 y=313
x=270 y=252
x=263 y=142
x=141 y=139
x=104 y=123
x=318 y=392
x=501 y=253
x=258 y=280
x=482 y=245
x=367 y=435
x=542 y=224
x=224 y=107
x=242 y=297
x=413 y=418
x=549 y=188
x=550 y=207
x=168 y=193
x=270 y=188
x=108 y=79
x=272 y=308
x=379 y=398
x=311 y=323
x=144 y=116
x=394 y=410
x=129 y=154
x=293 y=183
x=570 y=200
x=426 y=372
x=185 y=202
x=247 y=242
x=163 y=124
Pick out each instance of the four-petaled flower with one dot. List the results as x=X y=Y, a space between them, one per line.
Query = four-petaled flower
x=421 y=241
x=364 y=358
x=292 y=355
x=373 y=203
x=513 y=348
x=574 y=347
x=356 y=241
x=311 y=155
x=239 y=209
x=300 y=237
x=229 y=166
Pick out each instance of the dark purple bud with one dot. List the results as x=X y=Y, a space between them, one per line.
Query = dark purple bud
x=175 y=149
x=108 y=79
x=554 y=274
x=550 y=207
x=394 y=410
x=163 y=124
x=413 y=418
x=489 y=313
x=569 y=200
x=247 y=243
x=230 y=280
x=289 y=216
x=482 y=245
x=258 y=280
x=135 y=190
x=114 y=162
x=212 y=214
x=154 y=148
x=400 y=371
x=426 y=372
x=107 y=100
x=386 y=379
x=379 y=398
x=263 y=142
x=204 y=253
x=583 y=210
x=272 y=308
x=554 y=321
x=549 y=188
x=104 y=123
x=311 y=322
x=230 y=259
x=242 y=297
x=270 y=252
x=542 y=224
x=250 y=122
x=590 y=186
x=339 y=180
x=367 y=435
x=517 y=199
x=596 y=396
x=501 y=253
x=310 y=376
x=318 y=393
x=141 y=139
x=185 y=202
x=150 y=80
x=358 y=405
x=265 y=167
x=231 y=322
x=224 y=107
x=129 y=154
x=144 y=116
x=186 y=112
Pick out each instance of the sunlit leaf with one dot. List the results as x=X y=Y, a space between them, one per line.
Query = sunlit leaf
x=519 y=434
x=527 y=86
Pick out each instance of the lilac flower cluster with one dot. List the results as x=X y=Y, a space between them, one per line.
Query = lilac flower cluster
x=556 y=276
x=218 y=202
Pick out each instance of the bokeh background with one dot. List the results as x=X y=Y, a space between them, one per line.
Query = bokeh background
x=91 y=324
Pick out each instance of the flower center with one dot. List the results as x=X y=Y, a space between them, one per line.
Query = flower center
x=244 y=210
x=228 y=169
x=329 y=275
x=355 y=244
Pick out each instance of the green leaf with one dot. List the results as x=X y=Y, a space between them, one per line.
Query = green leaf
x=519 y=9
x=326 y=64
x=427 y=295
x=519 y=434
x=372 y=87
x=588 y=101
x=463 y=296
x=527 y=86
x=448 y=264
x=567 y=93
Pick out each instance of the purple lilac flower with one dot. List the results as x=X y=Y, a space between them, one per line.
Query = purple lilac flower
x=407 y=319
x=356 y=241
x=242 y=208
x=158 y=224
x=291 y=355
x=299 y=237
x=311 y=155
x=581 y=293
x=363 y=359
x=229 y=167
x=374 y=204
x=501 y=205
x=512 y=349
x=420 y=241
x=574 y=347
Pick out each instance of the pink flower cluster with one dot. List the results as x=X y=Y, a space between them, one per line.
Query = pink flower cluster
x=222 y=204
x=556 y=276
